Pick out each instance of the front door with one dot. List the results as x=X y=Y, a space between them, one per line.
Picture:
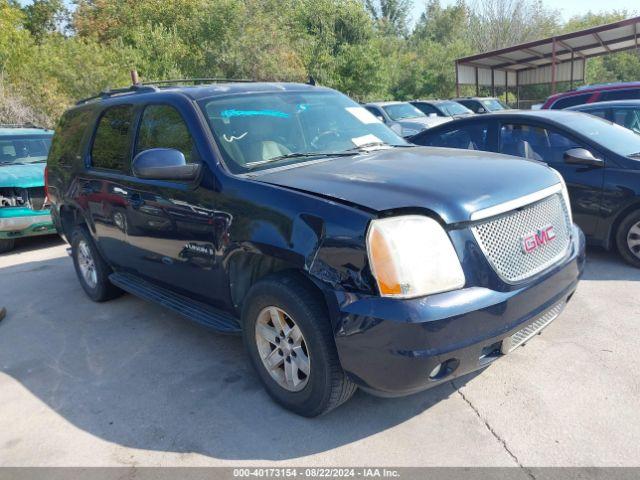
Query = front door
x=172 y=227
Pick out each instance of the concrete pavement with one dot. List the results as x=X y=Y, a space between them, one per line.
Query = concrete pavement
x=130 y=383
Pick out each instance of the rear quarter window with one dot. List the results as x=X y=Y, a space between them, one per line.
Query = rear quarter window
x=625 y=94
x=571 y=101
x=66 y=146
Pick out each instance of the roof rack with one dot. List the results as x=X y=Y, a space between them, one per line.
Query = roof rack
x=119 y=91
x=146 y=87
x=198 y=81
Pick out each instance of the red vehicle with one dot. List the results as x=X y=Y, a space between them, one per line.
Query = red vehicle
x=602 y=92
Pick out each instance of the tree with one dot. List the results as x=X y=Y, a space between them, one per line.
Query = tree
x=391 y=15
x=43 y=17
x=442 y=25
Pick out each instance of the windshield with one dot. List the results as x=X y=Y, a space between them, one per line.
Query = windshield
x=493 y=104
x=610 y=135
x=454 y=108
x=24 y=149
x=401 y=111
x=257 y=131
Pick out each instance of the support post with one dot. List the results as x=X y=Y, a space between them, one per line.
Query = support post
x=477 y=84
x=518 y=89
x=506 y=87
x=493 y=84
x=135 y=80
x=571 y=82
x=553 y=67
x=457 y=80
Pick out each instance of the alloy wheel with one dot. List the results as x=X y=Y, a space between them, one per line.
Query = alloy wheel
x=86 y=264
x=633 y=239
x=282 y=349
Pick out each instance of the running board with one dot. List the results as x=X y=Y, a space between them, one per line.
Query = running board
x=197 y=311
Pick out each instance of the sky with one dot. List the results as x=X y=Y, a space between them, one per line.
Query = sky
x=568 y=8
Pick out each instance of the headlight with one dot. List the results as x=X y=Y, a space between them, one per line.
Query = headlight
x=412 y=256
x=565 y=194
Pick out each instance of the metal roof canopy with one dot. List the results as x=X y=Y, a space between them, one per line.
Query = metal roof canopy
x=555 y=59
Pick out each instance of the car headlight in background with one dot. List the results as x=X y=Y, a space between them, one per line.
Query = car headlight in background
x=412 y=256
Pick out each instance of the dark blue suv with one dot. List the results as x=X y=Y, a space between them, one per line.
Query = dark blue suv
x=289 y=214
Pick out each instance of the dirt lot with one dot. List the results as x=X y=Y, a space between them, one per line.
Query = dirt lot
x=129 y=383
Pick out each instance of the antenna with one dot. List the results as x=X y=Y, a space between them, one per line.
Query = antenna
x=135 y=80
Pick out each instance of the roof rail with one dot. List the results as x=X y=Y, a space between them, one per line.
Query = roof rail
x=198 y=81
x=21 y=125
x=119 y=91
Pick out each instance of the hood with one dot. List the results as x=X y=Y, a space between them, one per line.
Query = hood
x=24 y=176
x=452 y=183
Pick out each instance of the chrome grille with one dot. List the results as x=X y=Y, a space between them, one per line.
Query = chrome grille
x=521 y=336
x=501 y=238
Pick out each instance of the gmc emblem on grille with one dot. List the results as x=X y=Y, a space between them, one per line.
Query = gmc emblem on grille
x=533 y=241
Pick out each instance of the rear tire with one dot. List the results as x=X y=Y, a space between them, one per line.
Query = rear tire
x=93 y=272
x=307 y=329
x=7 y=244
x=628 y=239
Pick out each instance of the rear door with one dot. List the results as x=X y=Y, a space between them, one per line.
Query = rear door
x=100 y=189
x=548 y=144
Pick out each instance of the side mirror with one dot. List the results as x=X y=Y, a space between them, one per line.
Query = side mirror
x=433 y=115
x=482 y=110
x=380 y=117
x=164 y=164
x=582 y=156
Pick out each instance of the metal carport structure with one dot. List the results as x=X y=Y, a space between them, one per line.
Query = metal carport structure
x=561 y=58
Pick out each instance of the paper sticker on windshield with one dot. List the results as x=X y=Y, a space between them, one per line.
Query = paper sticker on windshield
x=366 y=140
x=362 y=114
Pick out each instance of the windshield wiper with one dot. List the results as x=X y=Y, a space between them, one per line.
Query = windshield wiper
x=637 y=154
x=300 y=155
x=378 y=144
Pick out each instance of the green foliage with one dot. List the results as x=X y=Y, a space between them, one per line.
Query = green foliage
x=50 y=57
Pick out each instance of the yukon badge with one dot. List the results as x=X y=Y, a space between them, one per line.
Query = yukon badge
x=533 y=241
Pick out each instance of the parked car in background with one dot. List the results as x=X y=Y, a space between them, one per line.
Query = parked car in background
x=345 y=256
x=599 y=161
x=594 y=93
x=482 y=104
x=23 y=210
x=403 y=118
x=622 y=112
x=442 y=108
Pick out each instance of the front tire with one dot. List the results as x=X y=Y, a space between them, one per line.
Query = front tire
x=288 y=335
x=93 y=272
x=7 y=244
x=628 y=238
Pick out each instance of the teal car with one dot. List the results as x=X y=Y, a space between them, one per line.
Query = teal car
x=23 y=205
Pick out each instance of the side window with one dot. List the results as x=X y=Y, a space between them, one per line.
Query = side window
x=571 y=101
x=626 y=94
x=377 y=113
x=601 y=112
x=536 y=143
x=468 y=137
x=471 y=105
x=67 y=140
x=162 y=126
x=427 y=109
x=628 y=117
x=112 y=140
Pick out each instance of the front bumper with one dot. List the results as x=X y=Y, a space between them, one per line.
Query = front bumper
x=390 y=346
x=24 y=222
